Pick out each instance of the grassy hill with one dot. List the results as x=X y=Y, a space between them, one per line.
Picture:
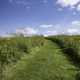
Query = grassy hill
x=40 y=58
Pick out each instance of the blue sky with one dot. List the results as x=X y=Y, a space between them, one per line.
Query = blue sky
x=48 y=17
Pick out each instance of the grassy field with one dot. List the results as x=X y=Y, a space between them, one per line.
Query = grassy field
x=40 y=58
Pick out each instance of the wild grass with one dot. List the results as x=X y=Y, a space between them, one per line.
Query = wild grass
x=40 y=58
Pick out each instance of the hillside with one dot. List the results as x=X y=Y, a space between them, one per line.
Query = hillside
x=40 y=58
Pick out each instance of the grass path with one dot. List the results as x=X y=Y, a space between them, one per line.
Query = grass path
x=45 y=63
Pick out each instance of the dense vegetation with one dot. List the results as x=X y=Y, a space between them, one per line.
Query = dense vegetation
x=40 y=58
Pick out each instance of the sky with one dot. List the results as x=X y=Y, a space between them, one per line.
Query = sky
x=47 y=17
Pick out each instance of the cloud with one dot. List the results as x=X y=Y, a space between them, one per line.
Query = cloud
x=78 y=7
x=46 y=26
x=6 y=35
x=49 y=33
x=67 y=3
x=72 y=4
x=24 y=3
x=73 y=28
x=48 y=29
x=27 y=31
x=75 y=22
x=73 y=31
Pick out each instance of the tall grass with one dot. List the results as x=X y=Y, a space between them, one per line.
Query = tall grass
x=39 y=58
x=70 y=46
x=48 y=63
x=13 y=49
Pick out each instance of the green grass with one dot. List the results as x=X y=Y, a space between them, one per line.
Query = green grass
x=13 y=49
x=47 y=63
x=40 y=58
x=70 y=46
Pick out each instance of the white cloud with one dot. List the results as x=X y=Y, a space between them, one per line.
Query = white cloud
x=6 y=35
x=73 y=31
x=73 y=28
x=75 y=22
x=67 y=3
x=78 y=7
x=27 y=31
x=49 y=33
x=24 y=3
x=47 y=30
x=46 y=26
x=71 y=4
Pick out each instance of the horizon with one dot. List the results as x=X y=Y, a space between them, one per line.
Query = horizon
x=41 y=17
